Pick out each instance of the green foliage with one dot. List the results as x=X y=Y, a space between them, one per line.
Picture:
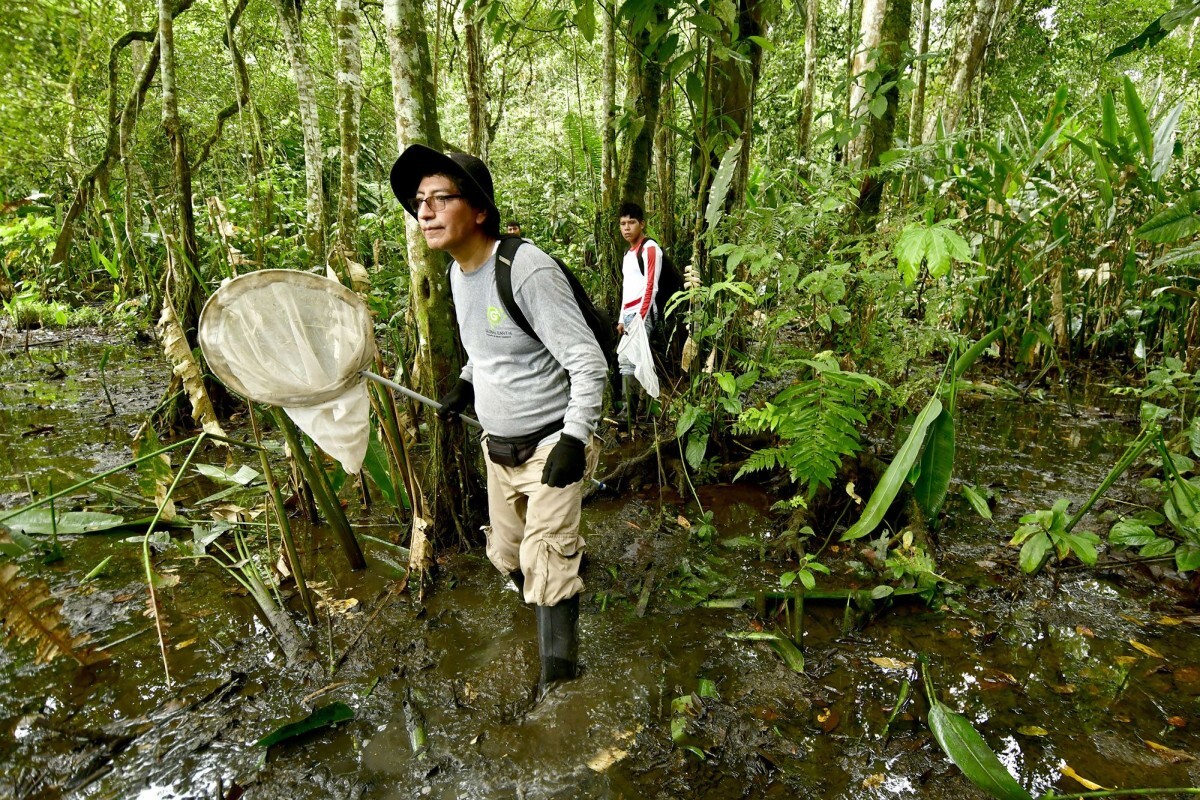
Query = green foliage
x=936 y=246
x=816 y=421
x=1046 y=532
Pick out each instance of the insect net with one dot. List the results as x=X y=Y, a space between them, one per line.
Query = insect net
x=298 y=341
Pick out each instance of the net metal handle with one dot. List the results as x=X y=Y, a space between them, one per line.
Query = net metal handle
x=420 y=398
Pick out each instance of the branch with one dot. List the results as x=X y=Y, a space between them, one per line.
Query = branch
x=243 y=97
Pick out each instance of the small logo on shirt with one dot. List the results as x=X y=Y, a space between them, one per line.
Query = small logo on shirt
x=495 y=316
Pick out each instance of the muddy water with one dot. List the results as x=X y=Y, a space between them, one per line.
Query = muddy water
x=1045 y=668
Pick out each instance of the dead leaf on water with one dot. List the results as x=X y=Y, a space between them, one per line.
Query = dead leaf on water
x=890 y=663
x=184 y=644
x=1084 y=630
x=828 y=719
x=1082 y=781
x=683 y=522
x=1122 y=718
x=1066 y=688
x=1126 y=661
x=1168 y=754
x=1177 y=722
x=874 y=781
x=1032 y=730
x=1147 y=649
x=1134 y=620
x=633 y=525
x=1170 y=621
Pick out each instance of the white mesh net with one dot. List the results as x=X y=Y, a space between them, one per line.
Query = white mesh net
x=298 y=341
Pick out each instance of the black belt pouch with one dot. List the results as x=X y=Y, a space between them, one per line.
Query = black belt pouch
x=513 y=451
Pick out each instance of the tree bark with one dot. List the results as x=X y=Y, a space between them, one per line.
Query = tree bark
x=645 y=88
x=310 y=123
x=607 y=245
x=180 y=289
x=916 y=112
x=664 y=164
x=349 y=84
x=870 y=33
x=879 y=134
x=808 y=100
x=243 y=86
x=478 y=139
x=452 y=481
x=966 y=63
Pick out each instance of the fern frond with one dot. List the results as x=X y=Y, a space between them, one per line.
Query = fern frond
x=29 y=613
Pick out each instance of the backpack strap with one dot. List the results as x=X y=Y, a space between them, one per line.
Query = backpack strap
x=641 y=263
x=504 y=258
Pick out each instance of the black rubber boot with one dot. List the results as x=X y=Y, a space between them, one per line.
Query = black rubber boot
x=518 y=579
x=632 y=401
x=618 y=395
x=558 y=642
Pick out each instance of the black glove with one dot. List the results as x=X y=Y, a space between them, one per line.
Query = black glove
x=566 y=463
x=456 y=400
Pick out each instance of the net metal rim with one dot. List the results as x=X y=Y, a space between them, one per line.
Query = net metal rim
x=234 y=290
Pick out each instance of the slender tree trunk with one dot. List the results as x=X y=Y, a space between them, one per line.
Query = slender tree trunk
x=477 y=91
x=664 y=163
x=645 y=88
x=966 y=64
x=733 y=89
x=181 y=289
x=453 y=483
x=916 y=113
x=808 y=100
x=879 y=134
x=349 y=105
x=852 y=23
x=607 y=243
x=310 y=123
x=870 y=32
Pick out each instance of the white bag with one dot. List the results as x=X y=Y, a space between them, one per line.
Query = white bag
x=635 y=348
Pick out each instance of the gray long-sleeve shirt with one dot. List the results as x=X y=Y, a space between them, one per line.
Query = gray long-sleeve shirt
x=521 y=384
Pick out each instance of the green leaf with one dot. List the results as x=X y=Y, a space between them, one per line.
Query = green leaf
x=376 y=464
x=1033 y=552
x=720 y=185
x=323 y=717
x=964 y=362
x=977 y=501
x=1103 y=179
x=1110 y=126
x=1157 y=30
x=38 y=521
x=585 y=19
x=910 y=252
x=243 y=476
x=1194 y=435
x=686 y=420
x=790 y=653
x=696 y=447
x=970 y=753
x=1174 y=222
x=1164 y=142
x=1131 y=533
x=893 y=479
x=1187 y=557
x=1138 y=121
x=937 y=465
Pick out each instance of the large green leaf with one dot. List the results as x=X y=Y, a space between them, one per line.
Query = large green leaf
x=937 y=465
x=320 y=718
x=1157 y=30
x=38 y=521
x=1164 y=141
x=1138 y=121
x=376 y=464
x=896 y=474
x=720 y=185
x=1174 y=222
x=972 y=354
x=970 y=753
x=1110 y=126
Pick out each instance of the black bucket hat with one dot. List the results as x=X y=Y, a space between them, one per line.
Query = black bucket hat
x=418 y=161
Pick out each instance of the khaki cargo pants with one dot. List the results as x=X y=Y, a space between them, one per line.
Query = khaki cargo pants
x=535 y=528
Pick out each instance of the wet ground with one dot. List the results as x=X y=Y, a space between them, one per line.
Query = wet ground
x=1095 y=669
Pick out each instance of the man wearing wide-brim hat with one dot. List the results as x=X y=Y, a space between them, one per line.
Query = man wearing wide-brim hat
x=538 y=398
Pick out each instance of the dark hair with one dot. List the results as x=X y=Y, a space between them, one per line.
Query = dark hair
x=513 y=223
x=631 y=209
x=478 y=201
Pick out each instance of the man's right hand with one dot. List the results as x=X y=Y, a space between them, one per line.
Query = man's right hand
x=620 y=329
x=456 y=400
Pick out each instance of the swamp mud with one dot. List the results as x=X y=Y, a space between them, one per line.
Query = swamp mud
x=1093 y=672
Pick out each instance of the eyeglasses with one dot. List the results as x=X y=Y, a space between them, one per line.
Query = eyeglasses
x=436 y=202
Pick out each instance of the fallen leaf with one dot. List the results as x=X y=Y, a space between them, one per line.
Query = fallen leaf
x=1169 y=755
x=633 y=525
x=1032 y=730
x=1066 y=688
x=683 y=522
x=1084 y=630
x=1126 y=661
x=853 y=496
x=183 y=644
x=1082 y=781
x=1134 y=620
x=1178 y=722
x=1170 y=621
x=1123 y=718
x=828 y=719
x=890 y=663
x=1150 y=651
x=873 y=781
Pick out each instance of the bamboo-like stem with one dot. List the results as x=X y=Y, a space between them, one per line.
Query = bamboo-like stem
x=322 y=493
x=285 y=527
x=162 y=644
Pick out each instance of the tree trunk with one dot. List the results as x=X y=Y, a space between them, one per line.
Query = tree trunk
x=916 y=113
x=349 y=79
x=664 y=163
x=733 y=88
x=607 y=244
x=310 y=123
x=478 y=139
x=810 y=76
x=870 y=33
x=879 y=134
x=180 y=288
x=452 y=481
x=966 y=63
x=645 y=88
